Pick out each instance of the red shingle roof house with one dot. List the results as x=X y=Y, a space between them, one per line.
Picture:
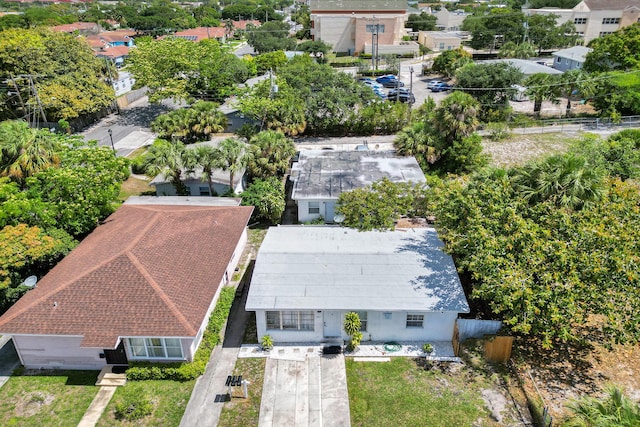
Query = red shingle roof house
x=140 y=287
x=80 y=27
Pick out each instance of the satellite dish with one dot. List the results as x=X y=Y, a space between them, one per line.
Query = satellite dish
x=338 y=219
x=30 y=281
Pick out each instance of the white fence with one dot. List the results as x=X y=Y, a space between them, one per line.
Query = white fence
x=473 y=328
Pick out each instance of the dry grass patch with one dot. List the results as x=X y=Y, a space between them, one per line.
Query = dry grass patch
x=134 y=187
x=520 y=149
x=240 y=411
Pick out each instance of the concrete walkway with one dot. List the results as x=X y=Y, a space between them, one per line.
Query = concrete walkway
x=209 y=394
x=95 y=410
x=310 y=392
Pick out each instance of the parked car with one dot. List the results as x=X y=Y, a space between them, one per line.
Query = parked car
x=389 y=81
x=401 y=95
x=371 y=84
x=441 y=87
x=432 y=83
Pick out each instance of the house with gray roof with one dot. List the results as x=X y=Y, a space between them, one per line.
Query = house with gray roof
x=570 y=59
x=320 y=176
x=401 y=283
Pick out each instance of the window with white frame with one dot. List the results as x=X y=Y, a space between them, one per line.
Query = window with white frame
x=290 y=320
x=363 y=320
x=155 y=348
x=579 y=21
x=609 y=21
x=415 y=320
x=314 y=207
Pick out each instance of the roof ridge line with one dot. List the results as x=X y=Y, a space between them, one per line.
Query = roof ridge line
x=163 y=296
x=62 y=286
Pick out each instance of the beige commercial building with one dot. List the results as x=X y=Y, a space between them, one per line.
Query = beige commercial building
x=596 y=18
x=347 y=25
x=439 y=40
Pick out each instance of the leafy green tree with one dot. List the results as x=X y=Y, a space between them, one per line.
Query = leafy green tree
x=451 y=60
x=182 y=70
x=614 y=410
x=268 y=197
x=542 y=87
x=170 y=160
x=270 y=152
x=490 y=84
x=543 y=31
x=617 y=51
x=25 y=151
x=422 y=22
x=233 y=157
x=69 y=78
x=317 y=48
x=270 y=36
x=618 y=155
x=270 y=61
x=376 y=207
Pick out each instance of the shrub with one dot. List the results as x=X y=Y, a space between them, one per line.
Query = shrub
x=427 y=348
x=266 y=342
x=133 y=408
x=186 y=371
x=497 y=131
x=352 y=328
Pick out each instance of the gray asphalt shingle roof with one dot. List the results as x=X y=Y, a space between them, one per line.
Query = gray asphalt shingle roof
x=335 y=268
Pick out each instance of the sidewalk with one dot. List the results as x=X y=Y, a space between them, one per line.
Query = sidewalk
x=209 y=393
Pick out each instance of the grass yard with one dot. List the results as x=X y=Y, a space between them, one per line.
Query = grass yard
x=56 y=398
x=240 y=411
x=168 y=398
x=134 y=187
x=412 y=392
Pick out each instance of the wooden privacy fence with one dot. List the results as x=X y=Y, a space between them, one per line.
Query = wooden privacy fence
x=498 y=349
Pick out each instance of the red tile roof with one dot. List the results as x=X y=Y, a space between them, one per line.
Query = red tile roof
x=147 y=271
x=242 y=25
x=76 y=26
x=113 y=52
x=201 y=33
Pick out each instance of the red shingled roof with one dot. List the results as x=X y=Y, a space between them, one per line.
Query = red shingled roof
x=147 y=271
x=113 y=52
x=76 y=26
x=201 y=33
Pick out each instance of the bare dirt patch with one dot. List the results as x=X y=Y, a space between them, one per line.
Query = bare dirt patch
x=32 y=403
x=568 y=372
x=520 y=149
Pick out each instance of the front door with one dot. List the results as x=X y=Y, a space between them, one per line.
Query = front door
x=329 y=212
x=117 y=356
x=332 y=324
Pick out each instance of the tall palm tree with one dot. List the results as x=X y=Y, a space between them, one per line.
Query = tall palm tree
x=233 y=157
x=173 y=125
x=513 y=50
x=567 y=180
x=542 y=87
x=205 y=118
x=25 y=151
x=576 y=83
x=456 y=117
x=270 y=154
x=208 y=158
x=171 y=160
x=417 y=141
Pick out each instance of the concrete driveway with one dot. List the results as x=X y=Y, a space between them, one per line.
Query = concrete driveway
x=309 y=391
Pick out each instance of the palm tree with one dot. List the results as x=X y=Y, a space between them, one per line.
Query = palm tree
x=229 y=28
x=270 y=154
x=542 y=87
x=456 y=117
x=205 y=118
x=208 y=158
x=513 y=50
x=567 y=180
x=416 y=141
x=233 y=157
x=25 y=151
x=171 y=160
x=615 y=410
x=576 y=82
x=173 y=125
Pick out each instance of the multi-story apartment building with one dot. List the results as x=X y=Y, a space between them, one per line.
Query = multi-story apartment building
x=596 y=18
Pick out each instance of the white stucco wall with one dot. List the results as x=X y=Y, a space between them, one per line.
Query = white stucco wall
x=57 y=351
x=327 y=209
x=436 y=327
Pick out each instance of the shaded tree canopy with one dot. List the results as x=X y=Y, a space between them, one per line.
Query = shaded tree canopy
x=617 y=51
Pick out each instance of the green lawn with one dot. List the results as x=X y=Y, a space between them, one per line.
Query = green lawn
x=169 y=400
x=57 y=398
x=240 y=411
x=402 y=393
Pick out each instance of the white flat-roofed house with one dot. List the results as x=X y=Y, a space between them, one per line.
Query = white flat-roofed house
x=401 y=283
x=320 y=176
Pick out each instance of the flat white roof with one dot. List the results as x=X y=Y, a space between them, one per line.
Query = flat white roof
x=336 y=268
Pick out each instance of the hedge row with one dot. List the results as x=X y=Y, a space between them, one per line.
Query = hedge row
x=185 y=371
